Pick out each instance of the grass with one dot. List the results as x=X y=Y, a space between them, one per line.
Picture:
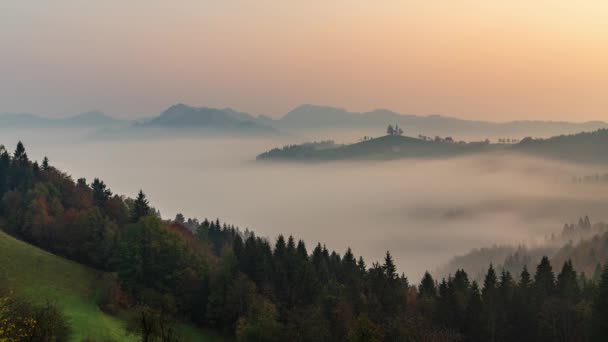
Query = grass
x=40 y=276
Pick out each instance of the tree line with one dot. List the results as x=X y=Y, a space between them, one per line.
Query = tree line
x=214 y=275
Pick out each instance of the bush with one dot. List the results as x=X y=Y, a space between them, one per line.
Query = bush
x=22 y=321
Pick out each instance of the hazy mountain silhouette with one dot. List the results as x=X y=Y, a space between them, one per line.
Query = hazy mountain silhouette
x=310 y=117
x=91 y=119
x=183 y=117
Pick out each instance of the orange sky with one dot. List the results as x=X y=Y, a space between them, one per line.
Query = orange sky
x=491 y=60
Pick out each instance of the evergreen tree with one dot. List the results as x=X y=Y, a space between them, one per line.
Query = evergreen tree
x=45 y=164
x=544 y=279
x=586 y=223
x=474 y=312
x=35 y=168
x=489 y=298
x=141 y=208
x=389 y=267
x=5 y=161
x=597 y=273
x=427 y=287
x=567 y=283
x=390 y=130
x=20 y=156
x=301 y=250
x=524 y=280
x=361 y=265
x=600 y=309
x=101 y=193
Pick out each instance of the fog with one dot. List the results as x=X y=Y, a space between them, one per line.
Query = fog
x=424 y=212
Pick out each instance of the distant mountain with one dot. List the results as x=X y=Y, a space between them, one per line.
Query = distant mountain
x=187 y=118
x=308 y=119
x=582 y=147
x=93 y=119
x=24 y=120
x=313 y=117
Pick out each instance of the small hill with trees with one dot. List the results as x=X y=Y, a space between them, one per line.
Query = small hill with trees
x=391 y=146
x=582 y=147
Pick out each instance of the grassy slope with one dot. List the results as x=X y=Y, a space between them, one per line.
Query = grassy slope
x=39 y=275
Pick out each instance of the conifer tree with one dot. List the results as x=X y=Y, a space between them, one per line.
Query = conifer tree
x=427 y=287
x=490 y=303
x=301 y=250
x=101 y=193
x=524 y=279
x=544 y=279
x=567 y=283
x=20 y=156
x=600 y=309
x=597 y=273
x=390 y=270
x=390 y=130
x=474 y=312
x=141 y=208
x=45 y=164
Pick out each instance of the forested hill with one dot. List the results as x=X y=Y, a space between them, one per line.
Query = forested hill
x=386 y=147
x=582 y=147
x=587 y=147
x=215 y=276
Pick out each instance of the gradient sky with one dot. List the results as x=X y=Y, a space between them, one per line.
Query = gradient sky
x=491 y=60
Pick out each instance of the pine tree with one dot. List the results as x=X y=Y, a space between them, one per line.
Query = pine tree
x=301 y=250
x=20 y=156
x=361 y=266
x=280 y=248
x=597 y=273
x=141 y=208
x=587 y=223
x=101 y=193
x=600 y=309
x=45 y=164
x=390 y=270
x=567 y=284
x=544 y=279
x=474 y=312
x=390 y=130
x=490 y=304
x=427 y=287
x=35 y=168
x=524 y=279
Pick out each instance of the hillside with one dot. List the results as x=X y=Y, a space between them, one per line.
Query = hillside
x=580 y=147
x=583 y=243
x=40 y=276
x=386 y=147
x=585 y=147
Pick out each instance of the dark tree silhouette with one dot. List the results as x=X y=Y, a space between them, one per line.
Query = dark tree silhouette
x=141 y=208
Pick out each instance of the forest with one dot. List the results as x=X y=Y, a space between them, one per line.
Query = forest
x=249 y=288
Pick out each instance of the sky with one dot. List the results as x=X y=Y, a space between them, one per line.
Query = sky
x=473 y=59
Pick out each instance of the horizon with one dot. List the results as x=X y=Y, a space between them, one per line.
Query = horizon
x=135 y=117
